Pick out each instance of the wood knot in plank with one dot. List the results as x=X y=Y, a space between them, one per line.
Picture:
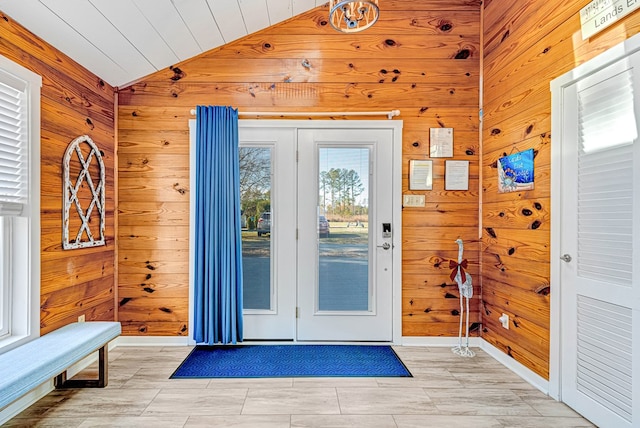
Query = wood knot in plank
x=544 y=290
x=125 y=301
x=445 y=26
x=463 y=54
x=491 y=232
x=390 y=42
x=177 y=73
x=179 y=189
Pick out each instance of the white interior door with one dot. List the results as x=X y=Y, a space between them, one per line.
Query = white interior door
x=599 y=242
x=345 y=273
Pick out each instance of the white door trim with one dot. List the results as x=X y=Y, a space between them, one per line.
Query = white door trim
x=396 y=127
x=601 y=61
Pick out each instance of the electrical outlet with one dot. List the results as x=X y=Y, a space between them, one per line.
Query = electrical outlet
x=81 y=318
x=504 y=320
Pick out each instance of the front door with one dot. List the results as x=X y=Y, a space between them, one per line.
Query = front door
x=317 y=263
x=345 y=246
x=600 y=243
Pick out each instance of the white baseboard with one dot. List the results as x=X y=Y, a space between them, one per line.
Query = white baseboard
x=152 y=341
x=524 y=372
x=437 y=341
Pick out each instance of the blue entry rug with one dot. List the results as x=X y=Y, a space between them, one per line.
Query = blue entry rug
x=255 y=361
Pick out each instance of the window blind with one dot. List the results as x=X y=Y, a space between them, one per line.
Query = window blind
x=13 y=145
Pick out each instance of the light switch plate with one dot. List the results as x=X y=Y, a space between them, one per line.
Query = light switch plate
x=413 y=200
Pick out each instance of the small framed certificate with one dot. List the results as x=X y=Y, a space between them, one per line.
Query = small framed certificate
x=441 y=142
x=456 y=175
x=420 y=175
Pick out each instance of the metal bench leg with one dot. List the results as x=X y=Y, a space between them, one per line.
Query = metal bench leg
x=61 y=380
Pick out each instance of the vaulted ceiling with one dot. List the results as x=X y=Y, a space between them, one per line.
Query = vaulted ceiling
x=123 y=40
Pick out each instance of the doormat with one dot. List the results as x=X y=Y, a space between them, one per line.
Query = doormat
x=260 y=361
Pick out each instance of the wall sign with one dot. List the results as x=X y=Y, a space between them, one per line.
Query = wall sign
x=515 y=172
x=456 y=175
x=420 y=175
x=599 y=14
x=441 y=142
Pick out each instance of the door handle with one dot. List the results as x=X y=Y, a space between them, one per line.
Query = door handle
x=385 y=246
x=566 y=258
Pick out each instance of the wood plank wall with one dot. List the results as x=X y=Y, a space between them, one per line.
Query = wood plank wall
x=421 y=57
x=527 y=44
x=74 y=102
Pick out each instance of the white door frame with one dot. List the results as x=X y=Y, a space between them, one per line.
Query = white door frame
x=396 y=127
x=610 y=56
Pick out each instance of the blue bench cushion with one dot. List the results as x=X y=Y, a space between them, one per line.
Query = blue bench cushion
x=29 y=365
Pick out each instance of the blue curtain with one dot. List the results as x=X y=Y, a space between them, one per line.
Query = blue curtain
x=218 y=247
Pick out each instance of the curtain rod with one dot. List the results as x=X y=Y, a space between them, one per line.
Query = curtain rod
x=389 y=114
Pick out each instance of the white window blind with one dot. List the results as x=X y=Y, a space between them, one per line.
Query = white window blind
x=13 y=145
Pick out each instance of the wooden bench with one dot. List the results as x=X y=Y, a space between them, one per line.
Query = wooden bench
x=26 y=367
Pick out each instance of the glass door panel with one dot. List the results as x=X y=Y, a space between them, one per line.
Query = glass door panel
x=255 y=200
x=343 y=232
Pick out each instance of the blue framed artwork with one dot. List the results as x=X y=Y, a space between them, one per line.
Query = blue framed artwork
x=515 y=172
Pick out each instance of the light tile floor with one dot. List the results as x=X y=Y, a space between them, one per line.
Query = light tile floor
x=446 y=391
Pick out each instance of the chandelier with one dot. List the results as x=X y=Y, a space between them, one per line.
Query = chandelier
x=350 y=16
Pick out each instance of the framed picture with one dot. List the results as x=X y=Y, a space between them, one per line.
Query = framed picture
x=441 y=142
x=420 y=175
x=515 y=172
x=456 y=175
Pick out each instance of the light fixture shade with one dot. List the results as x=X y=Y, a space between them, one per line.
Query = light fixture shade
x=350 y=16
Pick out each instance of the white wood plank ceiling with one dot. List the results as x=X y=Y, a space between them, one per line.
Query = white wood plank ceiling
x=124 y=40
